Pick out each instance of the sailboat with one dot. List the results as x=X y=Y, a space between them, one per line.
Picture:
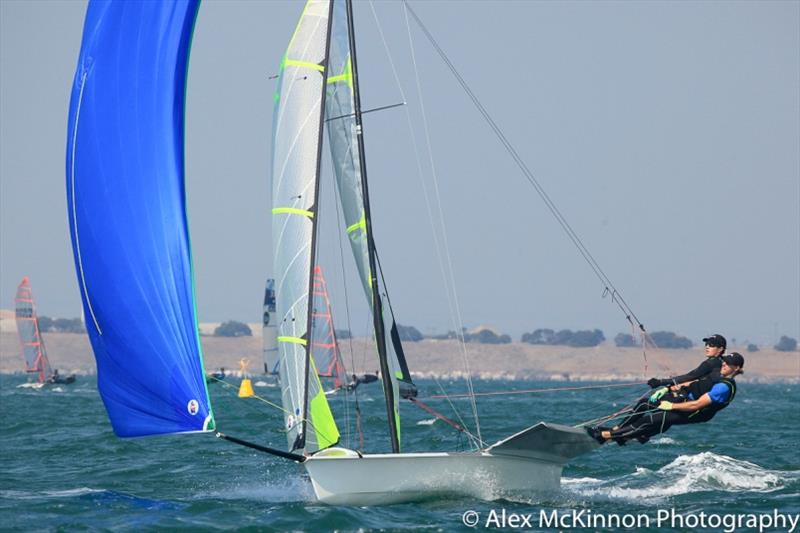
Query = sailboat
x=125 y=193
x=324 y=346
x=318 y=90
x=269 y=333
x=30 y=338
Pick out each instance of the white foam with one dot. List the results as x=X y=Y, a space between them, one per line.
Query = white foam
x=664 y=440
x=291 y=490
x=428 y=422
x=71 y=493
x=686 y=474
x=580 y=481
x=27 y=495
x=30 y=385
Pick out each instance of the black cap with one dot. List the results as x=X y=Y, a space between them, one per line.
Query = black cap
x=734 y=359
x=716 y=340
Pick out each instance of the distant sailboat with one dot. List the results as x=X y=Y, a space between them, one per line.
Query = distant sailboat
x=30 y=338
x=324 y=348
x=134 y=269
x=269 y=333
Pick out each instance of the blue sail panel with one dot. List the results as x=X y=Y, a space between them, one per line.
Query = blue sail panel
x=127 y=215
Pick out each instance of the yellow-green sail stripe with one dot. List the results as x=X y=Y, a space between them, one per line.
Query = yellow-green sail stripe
x=361 y=224
x=293 y=340
x=292 y=211
x=346 y=76
x=303 y=64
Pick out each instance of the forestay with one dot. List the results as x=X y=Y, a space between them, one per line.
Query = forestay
x=127 y=215
x=299 y=102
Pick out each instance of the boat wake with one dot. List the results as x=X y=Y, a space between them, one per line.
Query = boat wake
x=703 y=472
x=288 y=490
x=30 y=385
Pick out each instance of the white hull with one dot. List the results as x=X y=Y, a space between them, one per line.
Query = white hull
x=382 y=479
x=527 y=462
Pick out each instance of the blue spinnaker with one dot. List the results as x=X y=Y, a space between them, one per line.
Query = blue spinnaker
x=127 y=214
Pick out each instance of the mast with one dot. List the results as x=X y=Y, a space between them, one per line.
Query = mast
x=377 y=307
x=314 y=225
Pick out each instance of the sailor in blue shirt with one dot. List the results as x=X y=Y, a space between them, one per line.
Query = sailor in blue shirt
x=696 y=402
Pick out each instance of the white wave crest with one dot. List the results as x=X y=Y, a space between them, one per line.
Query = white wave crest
x=28 y=495
x=580 y=481
x=663 y=440
x=686 y=474
x=428 y=422
x=30 y=385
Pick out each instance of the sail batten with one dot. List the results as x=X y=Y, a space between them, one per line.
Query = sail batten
x=127 y=215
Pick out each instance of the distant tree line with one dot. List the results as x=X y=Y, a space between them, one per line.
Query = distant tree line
x=409 y=333
x=786 y=344
x=61 y=325
x=232 y=328
x=564 y=337
x=662 y=339
x=484 y=336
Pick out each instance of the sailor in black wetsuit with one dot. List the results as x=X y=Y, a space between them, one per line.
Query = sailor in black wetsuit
x=696 y=402
x=715 y=348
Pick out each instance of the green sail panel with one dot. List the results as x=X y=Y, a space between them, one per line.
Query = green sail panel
x=296 y=142
x=344 y=147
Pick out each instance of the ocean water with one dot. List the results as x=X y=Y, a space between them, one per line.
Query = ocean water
x=63 y=468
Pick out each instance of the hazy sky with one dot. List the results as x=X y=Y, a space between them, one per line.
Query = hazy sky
x=667 y=133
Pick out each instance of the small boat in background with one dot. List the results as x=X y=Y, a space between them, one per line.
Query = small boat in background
x=30 y=338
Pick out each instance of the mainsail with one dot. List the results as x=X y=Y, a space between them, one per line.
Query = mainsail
x=344 y=135
x=324 y=348
x=296 y=150
x=29 y=333
x=127 y=215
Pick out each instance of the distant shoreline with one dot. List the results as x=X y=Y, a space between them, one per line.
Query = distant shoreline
x=71 y=353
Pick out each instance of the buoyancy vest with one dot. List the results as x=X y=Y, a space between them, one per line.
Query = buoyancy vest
x=702 y=386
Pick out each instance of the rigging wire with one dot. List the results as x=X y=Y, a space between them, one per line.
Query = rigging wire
x=339 y=233
x=434 y=233
x=451 y=278
x=532 y=391
x=609 y=287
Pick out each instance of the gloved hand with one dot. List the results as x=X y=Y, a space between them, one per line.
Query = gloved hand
x=665 y=406
x=653 y=383
x=659 y=392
